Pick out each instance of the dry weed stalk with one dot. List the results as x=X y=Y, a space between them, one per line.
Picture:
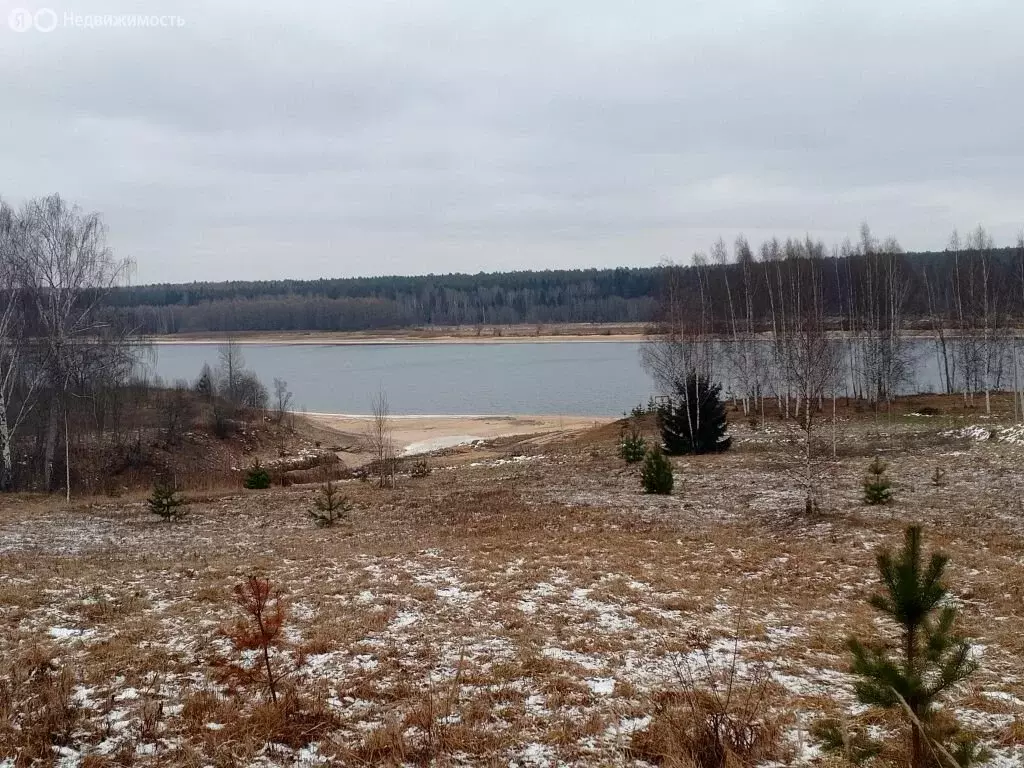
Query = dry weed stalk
x=718 y=717
x=37 y=712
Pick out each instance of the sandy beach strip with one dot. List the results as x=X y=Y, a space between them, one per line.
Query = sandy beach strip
x=346 y=341
x=463 y=335
x=422 y=434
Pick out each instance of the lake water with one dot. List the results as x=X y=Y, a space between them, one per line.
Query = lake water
x=568 y=378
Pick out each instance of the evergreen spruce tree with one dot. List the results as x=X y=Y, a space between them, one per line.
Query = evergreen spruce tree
x=632 y=446
x=694 y=420
x=656 y=473
x=167 y=502
x=257 y=478
x=877 y=488
x=329 y=505
x=931 y=657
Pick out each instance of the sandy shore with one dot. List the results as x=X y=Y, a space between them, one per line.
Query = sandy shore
x=442 y=335
x=422 y=434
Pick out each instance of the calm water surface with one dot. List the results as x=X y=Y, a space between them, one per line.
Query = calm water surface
x=569 y=378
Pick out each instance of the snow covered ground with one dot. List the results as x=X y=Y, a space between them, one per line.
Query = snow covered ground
x=524 y=611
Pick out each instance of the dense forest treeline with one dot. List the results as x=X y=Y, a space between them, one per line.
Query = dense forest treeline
x=366 y=303
x=503 y=298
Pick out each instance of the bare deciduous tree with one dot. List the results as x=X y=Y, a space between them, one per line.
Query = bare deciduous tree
x=811 y=354
x=67 y=270
x=682 y=343
x=1018 y=391
x=381 y=439
x=232 y=364
x=282 y=399
x=881 y=286
x=14 y=369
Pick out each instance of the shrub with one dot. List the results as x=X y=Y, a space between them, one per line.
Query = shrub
x=930 y=657
x=250 y=392
x=877 y=488
x=222 y=423
x=257 y=478
x=851 y=740
x=656 y=474
x=204 y=385
x=166 y=502
x=939 y=477
x=329 y=505
x=178 y=411
x=420 y=468
x=716 y=719
x=694 y=419
x=632 y=447
x=38 y=712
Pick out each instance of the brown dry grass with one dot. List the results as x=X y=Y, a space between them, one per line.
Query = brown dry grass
x=534 y=608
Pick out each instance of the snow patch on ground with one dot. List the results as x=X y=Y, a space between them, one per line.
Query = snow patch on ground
x=602 y=686
x=439 y=444
x=1013 y=434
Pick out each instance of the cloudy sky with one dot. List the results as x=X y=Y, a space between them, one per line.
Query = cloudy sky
x=354 y=137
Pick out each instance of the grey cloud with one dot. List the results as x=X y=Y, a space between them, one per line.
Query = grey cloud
x=272 y=139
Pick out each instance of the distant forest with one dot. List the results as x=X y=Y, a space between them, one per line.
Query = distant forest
x=618 y=295
x=370 y=303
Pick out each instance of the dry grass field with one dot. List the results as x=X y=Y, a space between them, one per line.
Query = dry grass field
x=529 y=607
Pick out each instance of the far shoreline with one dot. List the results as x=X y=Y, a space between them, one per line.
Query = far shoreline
x=518 y=334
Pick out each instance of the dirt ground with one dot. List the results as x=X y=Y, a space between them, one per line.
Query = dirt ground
x=523 y=604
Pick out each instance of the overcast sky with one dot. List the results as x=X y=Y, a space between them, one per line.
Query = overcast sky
x=354 y=137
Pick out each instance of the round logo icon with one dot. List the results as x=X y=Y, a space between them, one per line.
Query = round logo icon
x=20 y=20
x=45 y=20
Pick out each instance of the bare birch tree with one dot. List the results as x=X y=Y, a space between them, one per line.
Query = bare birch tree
x=282 y=400
x=812 y=355
x=232 y=366
x=15 y=369
x=1018 y=400
x=881 y=286
x=939 y=310
x=682 y=342
x=67 y=271
x=382 y=443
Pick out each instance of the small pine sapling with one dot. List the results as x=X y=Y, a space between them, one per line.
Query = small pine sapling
x=656 y=474
x=260 y=630
x=166 y=502
x=877 y=487
x=632 y=446
x=257 y=478
x=930 y=658
x=329 y=506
